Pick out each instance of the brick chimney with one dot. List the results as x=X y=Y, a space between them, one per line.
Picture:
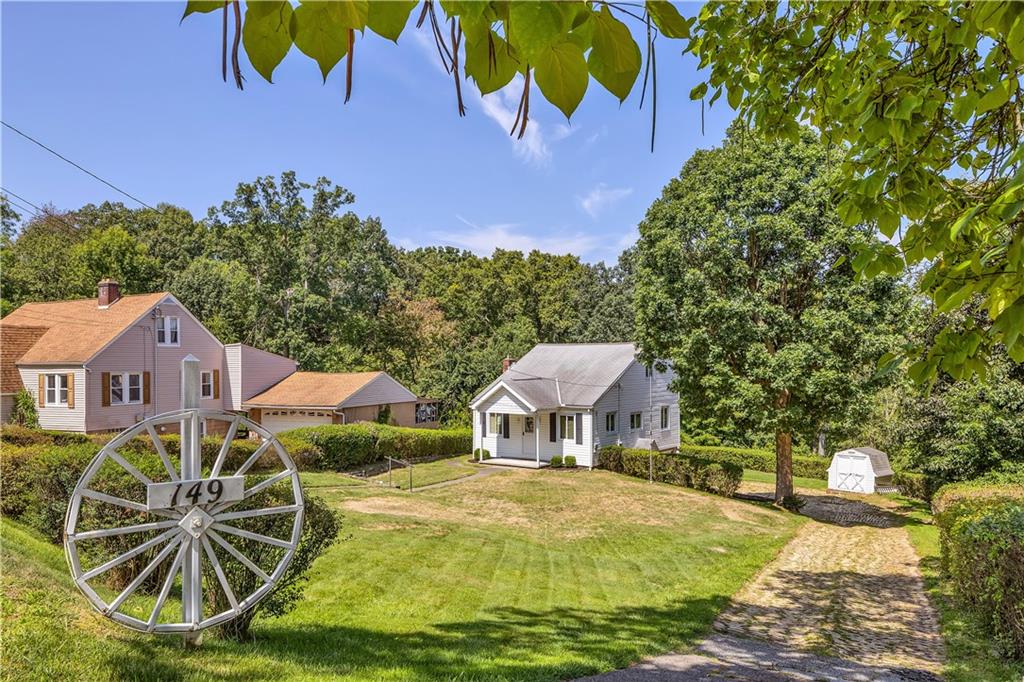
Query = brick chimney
x=506 y=364
x=110 y=291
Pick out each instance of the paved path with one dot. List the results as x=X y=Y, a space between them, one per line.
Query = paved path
x=484 y=473
x=844 y=600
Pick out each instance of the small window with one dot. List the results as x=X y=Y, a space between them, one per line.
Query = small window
x=56 y=389
x=635 y=421
x=135 y=388
x=125 y=388
x=568 y=426
x=426 y=413
x=494 y=423
x=167 y=331
x=664 y=417
x=116 y=389
x=609 y=422
x=528 y=425
x=206 y=384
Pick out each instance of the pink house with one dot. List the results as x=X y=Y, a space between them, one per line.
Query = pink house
x=106 y=363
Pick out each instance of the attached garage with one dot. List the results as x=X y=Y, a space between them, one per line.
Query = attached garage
x=860 y=470
x=276 y=421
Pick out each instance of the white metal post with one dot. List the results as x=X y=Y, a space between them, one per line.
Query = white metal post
x=191 y=468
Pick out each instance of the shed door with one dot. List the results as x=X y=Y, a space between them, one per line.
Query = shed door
x=852 y=472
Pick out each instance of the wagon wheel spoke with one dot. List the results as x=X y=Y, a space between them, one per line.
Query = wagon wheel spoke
x=127 y=504
x=166 y=589
x=131 y=553
x=158 y=445
x=259 y=512
x=221 y=578
x=242 y=559
x=263 y=447
x=224 y=448
x=127 y=466
x=125 y=530
x=150 y=567
x=262 y=485
x=249 y=535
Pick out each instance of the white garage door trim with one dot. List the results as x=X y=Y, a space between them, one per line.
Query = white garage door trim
x=275 y=423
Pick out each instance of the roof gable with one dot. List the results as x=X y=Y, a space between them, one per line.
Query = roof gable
x=15 y=342
x=75 y=331
x=312 y=389
x=381 y=389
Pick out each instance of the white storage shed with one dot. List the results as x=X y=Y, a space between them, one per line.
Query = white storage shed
x=860 y=470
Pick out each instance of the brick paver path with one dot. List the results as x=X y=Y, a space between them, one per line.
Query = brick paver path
x=845 y=590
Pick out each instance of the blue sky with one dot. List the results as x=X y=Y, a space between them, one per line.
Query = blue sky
x=125 y=91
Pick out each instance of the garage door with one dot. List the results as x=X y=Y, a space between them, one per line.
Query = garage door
x=852 y=472
x=275 y=423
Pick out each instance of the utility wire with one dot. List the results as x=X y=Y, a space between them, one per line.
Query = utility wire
x=38 y=212
x=84 y=170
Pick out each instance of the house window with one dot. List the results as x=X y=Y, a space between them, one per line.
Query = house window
x=426 y=413
x=528 y=425
x=664 y=417
x=609 y=422
x=567 y=422
x=167 y=331
x=125 y=388
x=635 y=421
x=206 y=384
x=56 y=389
x=494 y=423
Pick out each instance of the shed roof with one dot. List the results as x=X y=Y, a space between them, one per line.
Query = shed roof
x=312 y=389
x=566 y=374
x=76 y=330
x=879 y=460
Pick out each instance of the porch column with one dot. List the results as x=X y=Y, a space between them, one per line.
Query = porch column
x=536 y=435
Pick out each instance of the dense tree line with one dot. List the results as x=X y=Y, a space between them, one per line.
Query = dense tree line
x=289 y=267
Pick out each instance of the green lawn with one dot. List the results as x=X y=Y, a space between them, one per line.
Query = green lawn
x=431 y=472
x=519 y=575
x=968 y=647
x=763 y=477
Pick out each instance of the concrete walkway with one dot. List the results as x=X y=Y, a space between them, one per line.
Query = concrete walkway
x=844 y=600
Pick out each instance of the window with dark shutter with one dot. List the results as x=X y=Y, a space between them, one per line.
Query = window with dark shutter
x=554 y=428
x=579 y=428
x=504 y=426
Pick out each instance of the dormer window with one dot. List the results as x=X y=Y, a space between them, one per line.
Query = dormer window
x=167 y=331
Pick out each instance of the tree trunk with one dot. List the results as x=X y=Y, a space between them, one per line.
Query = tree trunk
x=783 y=465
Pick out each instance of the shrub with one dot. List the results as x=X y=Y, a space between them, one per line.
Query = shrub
x=982 y=540
x=721 y=478
x=556 y=461
x=481 y=454
x=15 y=434
x=913 y=484
x=347 y=446
x=806 y=466
x=24 y=412
x=570 y=460
x=319 y=531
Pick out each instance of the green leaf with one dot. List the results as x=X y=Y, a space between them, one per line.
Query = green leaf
x=668 y=20
x=964 y=106
x=201 y=6
x=353 y=13
x=388 y=19
x=1015 y=38
x=958 y=226
x=888 y=223
x=319 y=32
x=534 y=26
x=996 y=97
x=561 y=75
x=734 y=95
x=488 y=75
x=266 y=35
x=699 y=91
x=614 y=60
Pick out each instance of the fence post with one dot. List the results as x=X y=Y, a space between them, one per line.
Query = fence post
x=390 y=484
x=650 y=467
x=410 y=474
x=191 y=468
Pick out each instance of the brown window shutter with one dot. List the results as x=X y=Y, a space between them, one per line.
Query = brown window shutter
x=105 y=381
x=145 y=388
x=71 y=391
x=504 y=425
x=554 y=427
x=42 y=390
x=256 y=414
x=579 y=428
x=216 y=384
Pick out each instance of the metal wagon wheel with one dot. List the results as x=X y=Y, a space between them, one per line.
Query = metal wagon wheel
x=180 y=526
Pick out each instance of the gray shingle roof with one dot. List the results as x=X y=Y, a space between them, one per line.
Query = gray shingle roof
x=879 y=460
x=570 y=374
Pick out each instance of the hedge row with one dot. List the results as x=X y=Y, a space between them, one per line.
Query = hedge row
x=806 y=466
x=913 y=484
x=721 y=478
x=981 y=535
x=347 y=446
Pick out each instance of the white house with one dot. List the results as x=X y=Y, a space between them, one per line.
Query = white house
x=860 y=470
x=572 y=399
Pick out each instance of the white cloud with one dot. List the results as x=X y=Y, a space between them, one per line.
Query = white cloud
x=484 y=239
x=601 y=198
x=501 y=107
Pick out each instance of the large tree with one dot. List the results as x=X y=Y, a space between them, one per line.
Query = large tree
x=744 y=284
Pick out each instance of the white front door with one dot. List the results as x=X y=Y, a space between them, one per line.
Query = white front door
x=529 y=436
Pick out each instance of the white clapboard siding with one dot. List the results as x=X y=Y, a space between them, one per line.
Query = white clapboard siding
x=57 y=418
x=381 y=390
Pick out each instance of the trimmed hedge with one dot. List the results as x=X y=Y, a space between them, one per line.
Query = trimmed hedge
x=21 y=436
x=570 y=460
x=981 y=534
x=721 y=478
x=806 y=466
x=556 y=461
x=347 y=446
x=913 y=484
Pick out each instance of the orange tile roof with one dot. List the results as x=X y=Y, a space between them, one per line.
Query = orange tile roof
x=77 y=330
x=14 y=342
x=312 y=389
